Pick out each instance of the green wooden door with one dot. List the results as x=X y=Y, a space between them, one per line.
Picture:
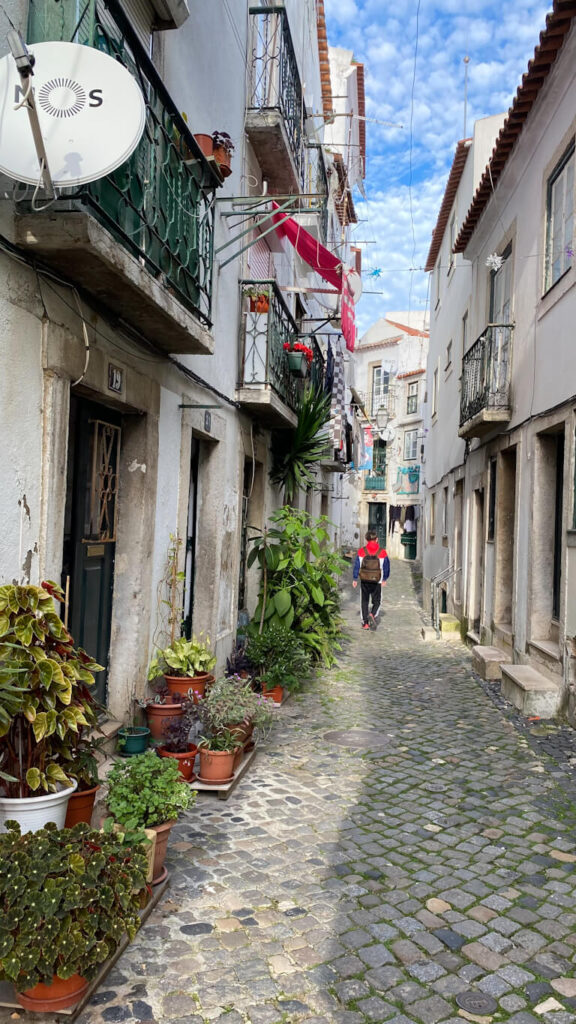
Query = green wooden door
x=377 y=519
x=90 y=528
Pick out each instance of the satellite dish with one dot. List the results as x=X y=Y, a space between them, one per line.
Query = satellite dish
x=354 y=282
x=90 y=110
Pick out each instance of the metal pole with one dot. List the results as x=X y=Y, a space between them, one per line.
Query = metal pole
x=24 y=64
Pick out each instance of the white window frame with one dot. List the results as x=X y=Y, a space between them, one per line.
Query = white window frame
x=412 y=398
x=560 y=219
x=410 y=445
x=435 y=392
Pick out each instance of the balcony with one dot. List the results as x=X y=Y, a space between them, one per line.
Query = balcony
x=267 y=388
x=407 y=480
x=275 y=110
x=375 y=483
x=485 y=398
x=141 y=239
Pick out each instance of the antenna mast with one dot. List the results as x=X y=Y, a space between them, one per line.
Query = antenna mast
x=466 y=63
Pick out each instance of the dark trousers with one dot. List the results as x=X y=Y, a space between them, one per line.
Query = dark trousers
x=371 y=592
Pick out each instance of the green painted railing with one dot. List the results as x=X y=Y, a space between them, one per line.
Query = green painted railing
x=160 y=204
x=264 y=334
x=375 y=483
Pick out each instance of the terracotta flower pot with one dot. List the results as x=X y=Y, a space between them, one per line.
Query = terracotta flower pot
x=276 y=693
x=216 y=765
x=43 y=998
x=181 y=684
x=161 y=715
x=205 y=143
x=80 y=807
x=185 y=760
x=159 y=872
x=223 y=159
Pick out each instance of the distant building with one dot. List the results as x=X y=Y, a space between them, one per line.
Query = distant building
x=387 y=394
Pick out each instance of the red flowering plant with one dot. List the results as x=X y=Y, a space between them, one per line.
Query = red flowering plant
x=298 y=346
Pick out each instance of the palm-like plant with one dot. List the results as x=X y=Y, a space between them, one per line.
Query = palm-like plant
x=296 y=451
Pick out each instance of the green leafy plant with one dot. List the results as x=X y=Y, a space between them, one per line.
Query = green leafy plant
x=45 y=698
x=223 y=741
x=147 y=790
x=67 y=897
x=232 y=701
x=281 y=657
x=296 y=452
x=184 y=658
x=299 y=586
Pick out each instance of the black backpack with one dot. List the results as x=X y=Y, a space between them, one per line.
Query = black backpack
x=370 y=570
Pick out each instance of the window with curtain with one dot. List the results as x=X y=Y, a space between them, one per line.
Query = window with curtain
x=560 y=219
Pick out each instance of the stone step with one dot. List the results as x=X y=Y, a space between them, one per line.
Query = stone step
x=529 y=691
x=487 y=661
x=449 y=626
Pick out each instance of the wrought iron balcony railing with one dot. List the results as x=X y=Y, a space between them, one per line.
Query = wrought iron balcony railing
x=160 y=204
x=275 y=83
x=486 y=375
x=316 y=187
x=407 y=480
x=264 y=361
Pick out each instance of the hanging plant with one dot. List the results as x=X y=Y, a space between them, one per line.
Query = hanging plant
x=296 y=452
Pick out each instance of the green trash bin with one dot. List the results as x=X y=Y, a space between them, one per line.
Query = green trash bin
x=409 y=542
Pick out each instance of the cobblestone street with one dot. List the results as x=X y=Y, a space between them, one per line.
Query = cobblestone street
x=401 y=840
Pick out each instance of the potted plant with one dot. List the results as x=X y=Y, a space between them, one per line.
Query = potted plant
x=132 y=739
x=259 y=295
x=82 y=755
x=222 y=149
x=176 y=741
x=281 y=658
x=300 y=357
x=44 y=701
x=185 y=664
x=229 y=714
x=161 y=710
x=147 y=791
x=67 y=898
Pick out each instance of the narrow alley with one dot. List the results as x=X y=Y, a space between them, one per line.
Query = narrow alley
x=398 y=847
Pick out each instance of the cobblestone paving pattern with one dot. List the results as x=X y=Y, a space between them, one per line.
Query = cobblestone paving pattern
x=425 y=849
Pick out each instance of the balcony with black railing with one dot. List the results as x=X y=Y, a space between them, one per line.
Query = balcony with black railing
x=485 y=396
x=272 y=377
x=275 y=109
x=153 y=262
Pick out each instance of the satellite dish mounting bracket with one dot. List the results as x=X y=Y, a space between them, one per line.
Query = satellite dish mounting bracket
x=25 y=65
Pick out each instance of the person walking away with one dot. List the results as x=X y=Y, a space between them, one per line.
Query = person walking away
x=372 y=568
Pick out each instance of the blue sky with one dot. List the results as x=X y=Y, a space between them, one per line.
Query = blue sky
x=413 y=55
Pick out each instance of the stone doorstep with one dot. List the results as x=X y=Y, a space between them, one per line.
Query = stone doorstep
x=487 y=661
x=449 y=626
x=529 y=691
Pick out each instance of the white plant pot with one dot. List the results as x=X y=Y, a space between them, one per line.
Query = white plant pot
x=33 y=812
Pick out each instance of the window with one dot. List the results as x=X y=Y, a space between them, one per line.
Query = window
x=410 y=445
x=492 y=500
x=412 y=400
x=452 y=240
x=448 y=356
x=437 y=284
x=379 y=458
x=435 y=393
x=445 y=512
x=432 y=515
x=560 y=219
x=380 y=389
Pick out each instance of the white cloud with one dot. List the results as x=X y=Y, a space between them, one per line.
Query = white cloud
x=428 y=98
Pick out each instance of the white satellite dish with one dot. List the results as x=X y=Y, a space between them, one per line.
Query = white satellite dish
x=90 y=110
x=355 y=285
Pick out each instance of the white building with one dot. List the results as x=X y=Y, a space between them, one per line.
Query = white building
x=387 y=392
x=139 y=391
x=500 y=514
